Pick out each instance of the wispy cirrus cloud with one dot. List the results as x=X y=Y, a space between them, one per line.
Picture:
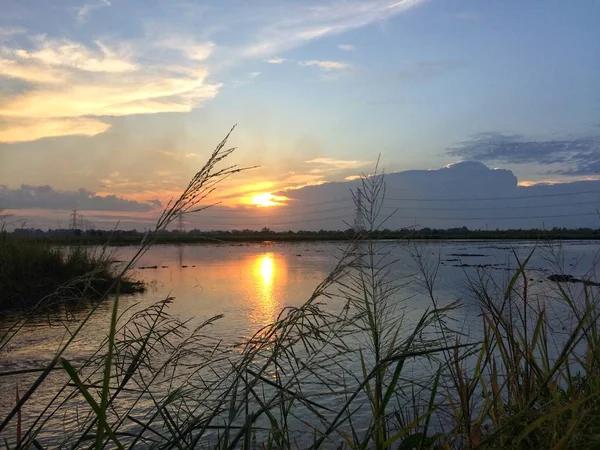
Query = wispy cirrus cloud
x=577 y=156
x=306 y=22
x=276 y=60
x=13 y=131
x=84 y=11
x=326 y=66
x=188 y=46
x=339 y=164
x=346 y=47
x=9 y=31
x=72 y=55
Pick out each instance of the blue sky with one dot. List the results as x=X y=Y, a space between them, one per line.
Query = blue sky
x=127 y=97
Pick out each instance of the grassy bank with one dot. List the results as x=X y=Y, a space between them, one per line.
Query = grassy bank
x=352 y=367
x=33 y=272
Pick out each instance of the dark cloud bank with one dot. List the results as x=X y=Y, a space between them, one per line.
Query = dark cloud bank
x=466 y=193
x=462 y=194
x=577 y=156
x=45 y=197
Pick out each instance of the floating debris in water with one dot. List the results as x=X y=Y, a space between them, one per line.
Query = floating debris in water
x=562 y=278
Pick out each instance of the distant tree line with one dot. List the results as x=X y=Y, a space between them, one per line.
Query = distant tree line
x=134 y=236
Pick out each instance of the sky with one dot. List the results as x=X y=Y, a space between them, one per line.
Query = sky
x=111 y=106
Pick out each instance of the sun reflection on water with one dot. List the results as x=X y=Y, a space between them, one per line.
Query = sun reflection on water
x=266 y=273
x=267 y=268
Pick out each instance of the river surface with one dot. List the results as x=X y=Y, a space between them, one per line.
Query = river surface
x=249 y=284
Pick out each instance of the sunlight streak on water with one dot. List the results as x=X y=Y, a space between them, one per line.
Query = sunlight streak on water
x=267 y=278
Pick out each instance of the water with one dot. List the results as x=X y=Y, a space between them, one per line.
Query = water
x=249 y=284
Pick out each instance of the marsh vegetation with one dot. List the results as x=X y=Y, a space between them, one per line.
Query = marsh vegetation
x=157 y=381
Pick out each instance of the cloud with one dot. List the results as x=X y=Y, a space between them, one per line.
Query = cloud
x=57 y=80
x=326 y=66
x=466 y=193
x=178 y=157
x=69 y=54
x=45 y=197
x=306 y=22
x=276 y=60
x=31 y=72
x=70 y=86
x=347 y=47
x=84 y=11
x=9 y=31
x=25 y=131
x=339 y=164
x=460 y=194
x=578 y=156
x=188 y=45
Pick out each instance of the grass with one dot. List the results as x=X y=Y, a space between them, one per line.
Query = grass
x=30 y=272
x=337 y=372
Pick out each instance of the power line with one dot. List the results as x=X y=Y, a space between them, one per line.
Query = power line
x=465 y=199
x=595 y=202
x=281 y=210
x=492 y=198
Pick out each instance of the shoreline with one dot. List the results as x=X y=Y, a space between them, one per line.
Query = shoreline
x=223 y=237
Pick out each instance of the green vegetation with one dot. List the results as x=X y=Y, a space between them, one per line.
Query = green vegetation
x=30 y=272
x=350 y=368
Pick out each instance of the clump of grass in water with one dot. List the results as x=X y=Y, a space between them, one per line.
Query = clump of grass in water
x=156 y=383
x=58 y=275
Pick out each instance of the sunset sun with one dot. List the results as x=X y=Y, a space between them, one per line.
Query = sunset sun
x=267 y=199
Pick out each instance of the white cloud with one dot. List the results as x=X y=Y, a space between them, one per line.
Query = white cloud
x=30 y=72
x=70 y=83
x=347 y=47
x=327 y=66
x=70 y=54
x=194 y=50
x=25 y=131
x=353 y=177
x=276 y=60
x=341 y=164
x=84 y=11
